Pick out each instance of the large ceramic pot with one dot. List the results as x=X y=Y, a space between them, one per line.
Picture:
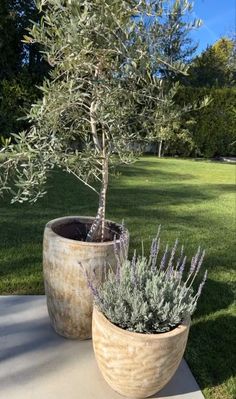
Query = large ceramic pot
x=133 y=364
x=65 y=260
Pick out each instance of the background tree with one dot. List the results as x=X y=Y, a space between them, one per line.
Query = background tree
x=15 y=17
x=172 y=45
x=214 y=67
x=21 y=65
x=10 y=47
x=175 y=40
x=171 y=121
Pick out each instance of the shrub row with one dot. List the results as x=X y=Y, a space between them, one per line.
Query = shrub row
x=213 y=133
x=16 y=96
x=214 y=130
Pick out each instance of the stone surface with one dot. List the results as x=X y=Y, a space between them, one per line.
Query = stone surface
x=36 y=363
x=137 y=365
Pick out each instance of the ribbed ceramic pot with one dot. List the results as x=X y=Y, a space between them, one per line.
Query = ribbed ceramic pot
x=69 y=299
x=133 y=364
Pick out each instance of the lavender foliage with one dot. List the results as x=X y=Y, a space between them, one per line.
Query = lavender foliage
x=151 y=294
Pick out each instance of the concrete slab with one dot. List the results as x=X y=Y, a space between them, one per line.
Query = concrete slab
x=36 y=363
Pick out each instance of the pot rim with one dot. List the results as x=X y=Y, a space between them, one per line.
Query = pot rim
x=50 y=224
x=142 y=336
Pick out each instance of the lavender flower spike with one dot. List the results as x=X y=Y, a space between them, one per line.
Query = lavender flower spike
x=133 y=269
x=181 y=269
x=163 y=261
x=155 y=254
x=194 y=261
x=201 y=285
x=180 y=258
x=173 y=254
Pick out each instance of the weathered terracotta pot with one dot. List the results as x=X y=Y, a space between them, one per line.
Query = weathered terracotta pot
x=69 y=299
x=133 y=364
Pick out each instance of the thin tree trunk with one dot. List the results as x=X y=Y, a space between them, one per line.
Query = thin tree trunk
x=97 y=229
x=93 y=123
x=104 y=197
x=159 y=148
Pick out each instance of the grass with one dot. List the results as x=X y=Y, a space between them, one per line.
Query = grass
x=193 y=200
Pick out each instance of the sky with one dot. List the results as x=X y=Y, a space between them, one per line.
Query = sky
x=219 y=19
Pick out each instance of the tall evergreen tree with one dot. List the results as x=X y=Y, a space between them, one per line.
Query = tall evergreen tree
x=173 y=45
x=176 y=42
x=21 y=65
x=214 y=67
x=10 y=46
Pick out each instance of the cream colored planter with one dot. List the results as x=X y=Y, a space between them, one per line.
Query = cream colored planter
x=137 y=365
x=69 y=299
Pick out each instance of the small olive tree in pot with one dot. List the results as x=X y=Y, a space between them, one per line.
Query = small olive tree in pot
x=84 y=125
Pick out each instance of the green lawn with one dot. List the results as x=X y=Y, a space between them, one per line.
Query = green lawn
x=192 y=200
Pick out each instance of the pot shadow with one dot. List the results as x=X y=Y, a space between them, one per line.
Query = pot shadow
x=212 y=367
x=181 y=383
x=221 y=297
x=29 y=347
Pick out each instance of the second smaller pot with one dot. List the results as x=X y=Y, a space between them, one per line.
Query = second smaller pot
x=133 y=364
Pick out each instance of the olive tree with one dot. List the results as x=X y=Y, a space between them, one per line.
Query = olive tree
x=102 y=75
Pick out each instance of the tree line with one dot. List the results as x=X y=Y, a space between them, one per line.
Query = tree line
x=190 y=133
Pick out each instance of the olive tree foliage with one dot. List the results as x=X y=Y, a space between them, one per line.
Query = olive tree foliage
x=102 y=76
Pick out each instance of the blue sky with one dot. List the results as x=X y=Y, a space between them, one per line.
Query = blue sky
x=218 y=18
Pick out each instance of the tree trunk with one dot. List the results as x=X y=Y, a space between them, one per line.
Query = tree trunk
x=97 y=230
x=159 y=148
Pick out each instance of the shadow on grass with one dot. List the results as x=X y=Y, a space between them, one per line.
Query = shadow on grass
x=216 y=296
x=21 y=225
x=25 y=223
x=134 y=201
x=153 y=169
x=210 y=351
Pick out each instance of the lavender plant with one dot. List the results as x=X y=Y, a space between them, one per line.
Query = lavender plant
x=151 y=294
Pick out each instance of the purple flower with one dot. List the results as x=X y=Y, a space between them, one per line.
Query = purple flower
x=200 y=261
x=118 y=267
x=173 y=254
x=133 y=269
x=163 y=261
x=154 y=253
x=92 y=287
x=180 y=257
x=202 y=285
x=181 y=269
x=194 y=261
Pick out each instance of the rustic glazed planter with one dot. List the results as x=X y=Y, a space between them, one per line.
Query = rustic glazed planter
x=133 y=364
x=69 y=299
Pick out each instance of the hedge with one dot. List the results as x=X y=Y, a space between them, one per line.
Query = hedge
x=212 y=135
x=16 y=96
x=214 y=131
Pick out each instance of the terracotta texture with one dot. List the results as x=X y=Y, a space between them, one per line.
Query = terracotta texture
x=137 y=365
x=69 y=299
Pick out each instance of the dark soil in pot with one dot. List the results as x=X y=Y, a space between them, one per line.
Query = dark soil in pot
x=77 y=229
